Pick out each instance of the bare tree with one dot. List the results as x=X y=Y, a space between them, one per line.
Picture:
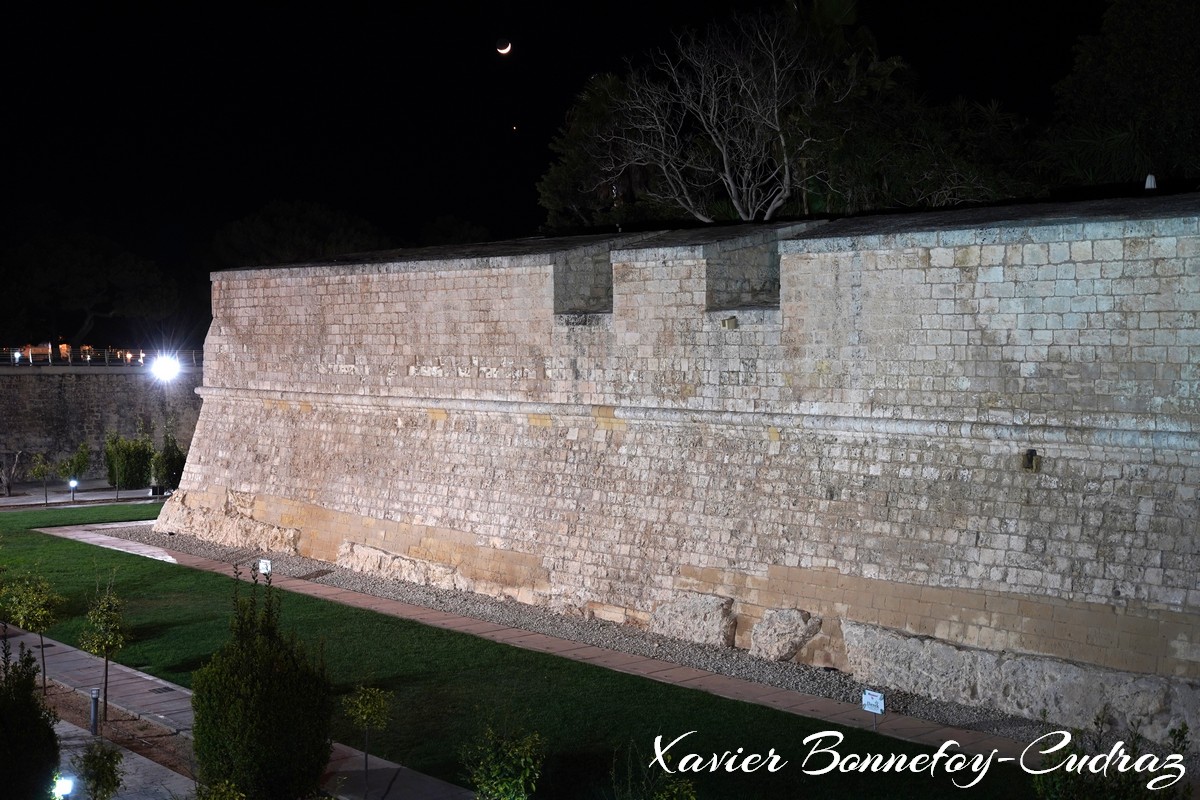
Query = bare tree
x=725 y=116
x=8 y=471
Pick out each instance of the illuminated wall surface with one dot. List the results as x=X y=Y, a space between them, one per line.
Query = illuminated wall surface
x=840 y=418
x=51 y=410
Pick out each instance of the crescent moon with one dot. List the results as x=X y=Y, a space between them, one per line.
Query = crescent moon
x=505 y=50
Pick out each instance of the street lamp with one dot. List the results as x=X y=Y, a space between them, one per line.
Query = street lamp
x=73 y=483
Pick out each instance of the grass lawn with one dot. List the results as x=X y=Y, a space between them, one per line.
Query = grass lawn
x=449 y=685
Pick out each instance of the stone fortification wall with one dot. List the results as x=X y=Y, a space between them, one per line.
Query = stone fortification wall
x=954 y=436
x=51 y=410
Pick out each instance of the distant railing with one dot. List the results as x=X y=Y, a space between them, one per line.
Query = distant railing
x=63 y=355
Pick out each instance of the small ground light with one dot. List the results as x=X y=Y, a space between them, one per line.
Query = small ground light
x=165 y=368
x=63 y=787
x=73 y=483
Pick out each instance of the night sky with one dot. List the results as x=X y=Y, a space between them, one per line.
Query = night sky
x=159 y=125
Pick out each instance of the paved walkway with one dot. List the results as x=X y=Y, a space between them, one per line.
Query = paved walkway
x=143 y=779
x=170 y=705
x=57 y=493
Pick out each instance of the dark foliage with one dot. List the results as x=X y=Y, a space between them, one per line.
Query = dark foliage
x=99 y=769
x=1131 y=105
x=28 y=744
x=167 y=464
x=286 y=232
x=263 y=707
x=66 y=280
x=128 y=460
x=773 y=116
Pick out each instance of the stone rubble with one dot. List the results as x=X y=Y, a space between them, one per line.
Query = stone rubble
x=781 y=633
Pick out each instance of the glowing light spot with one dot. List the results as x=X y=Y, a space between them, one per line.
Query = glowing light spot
x=165 y=368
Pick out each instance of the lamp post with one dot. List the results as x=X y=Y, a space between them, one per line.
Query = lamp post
x=165 y=368
x=73 y=483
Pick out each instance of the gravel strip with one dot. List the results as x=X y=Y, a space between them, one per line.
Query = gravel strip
x=625 y=638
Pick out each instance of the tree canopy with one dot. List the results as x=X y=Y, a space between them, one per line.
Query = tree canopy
x=28 y=743
x=790 y=112
x=287 y=232
x=1131 y=105
x=67 y=278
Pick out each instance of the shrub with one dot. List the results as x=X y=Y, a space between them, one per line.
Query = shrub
x=99 y=768
x=221 y=791
x=28 y=744
x=128 y=460
x=636 y=780
x=263 y=709
x=167 y=464
x=503 y=767
x=1082 y=784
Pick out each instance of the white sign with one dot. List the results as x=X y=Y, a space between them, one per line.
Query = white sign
x=264 y=566
x=872 y=701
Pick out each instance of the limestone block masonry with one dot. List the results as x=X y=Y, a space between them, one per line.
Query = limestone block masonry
x=966 y=442
x=51 y=410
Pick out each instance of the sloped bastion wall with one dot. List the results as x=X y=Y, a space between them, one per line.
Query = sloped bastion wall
x=955 y=454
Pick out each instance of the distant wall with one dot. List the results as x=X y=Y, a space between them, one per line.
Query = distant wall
x=859 y=450
x=50 y=410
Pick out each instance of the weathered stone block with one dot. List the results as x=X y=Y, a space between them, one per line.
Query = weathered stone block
x=1067 y=693
x=373 y=561
x=231 y=525
x=702 y=618
x=780 y=634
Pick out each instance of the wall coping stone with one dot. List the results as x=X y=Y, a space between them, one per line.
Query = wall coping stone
x=1177 y=215
x=532 y=252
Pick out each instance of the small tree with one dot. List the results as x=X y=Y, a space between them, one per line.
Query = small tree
x=503 y=767
x=263 y=708
x=77 y=465
x=99 y=767
x=8 y=471
x=28 y=744
x=41 y=469
x=368 y=708
x=30 y=602
x=105 y=633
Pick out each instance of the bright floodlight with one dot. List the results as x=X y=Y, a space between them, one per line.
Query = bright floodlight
x=63 y=787
x=165 y=368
